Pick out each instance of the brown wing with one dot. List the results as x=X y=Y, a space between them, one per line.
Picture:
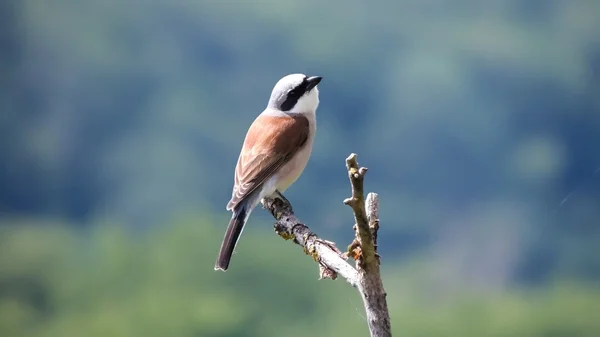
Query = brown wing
x=270 y=142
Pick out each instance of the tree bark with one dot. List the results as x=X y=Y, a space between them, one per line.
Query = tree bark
x=365 y=275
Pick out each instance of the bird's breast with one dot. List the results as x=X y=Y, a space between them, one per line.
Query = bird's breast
x=292 y=170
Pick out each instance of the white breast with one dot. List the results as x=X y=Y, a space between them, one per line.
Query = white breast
x=290 y=172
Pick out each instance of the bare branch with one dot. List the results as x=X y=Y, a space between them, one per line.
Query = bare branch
x=372 y=206
x=330 y=258
x=357 y=202
x=367 y=223
x=366 y=277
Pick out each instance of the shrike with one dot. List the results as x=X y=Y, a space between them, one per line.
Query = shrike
x=275 y=152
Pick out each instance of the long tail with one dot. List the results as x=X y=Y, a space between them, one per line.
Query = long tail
x=232 y=235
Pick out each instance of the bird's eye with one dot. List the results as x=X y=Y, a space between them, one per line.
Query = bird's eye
x=293 y=92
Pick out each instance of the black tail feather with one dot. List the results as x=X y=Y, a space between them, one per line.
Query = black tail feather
x=232 y=235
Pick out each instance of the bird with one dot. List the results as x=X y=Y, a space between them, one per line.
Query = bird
x=274 y=153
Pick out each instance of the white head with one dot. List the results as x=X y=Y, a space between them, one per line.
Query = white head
x=296 y=93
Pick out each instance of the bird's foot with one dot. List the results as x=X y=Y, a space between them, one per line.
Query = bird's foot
x=280 y=196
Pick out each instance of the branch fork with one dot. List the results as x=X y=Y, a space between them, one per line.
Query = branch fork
x=365 y=275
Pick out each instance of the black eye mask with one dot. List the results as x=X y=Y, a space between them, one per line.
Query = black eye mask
x=294 y=95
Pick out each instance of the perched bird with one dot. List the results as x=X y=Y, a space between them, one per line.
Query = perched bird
x=275 y=152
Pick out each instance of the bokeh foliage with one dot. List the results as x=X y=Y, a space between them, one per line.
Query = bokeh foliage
x=56 y=282
x=479 y=122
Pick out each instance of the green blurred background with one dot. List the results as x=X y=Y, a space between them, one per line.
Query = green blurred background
x=121 y=122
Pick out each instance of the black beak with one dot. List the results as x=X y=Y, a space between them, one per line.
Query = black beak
x=312 y=82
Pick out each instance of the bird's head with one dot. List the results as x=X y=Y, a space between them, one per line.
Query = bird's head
x=296 y=93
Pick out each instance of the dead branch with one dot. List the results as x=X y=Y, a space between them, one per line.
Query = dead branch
x=366 y=275
x=369 y=277
x=329 y=257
